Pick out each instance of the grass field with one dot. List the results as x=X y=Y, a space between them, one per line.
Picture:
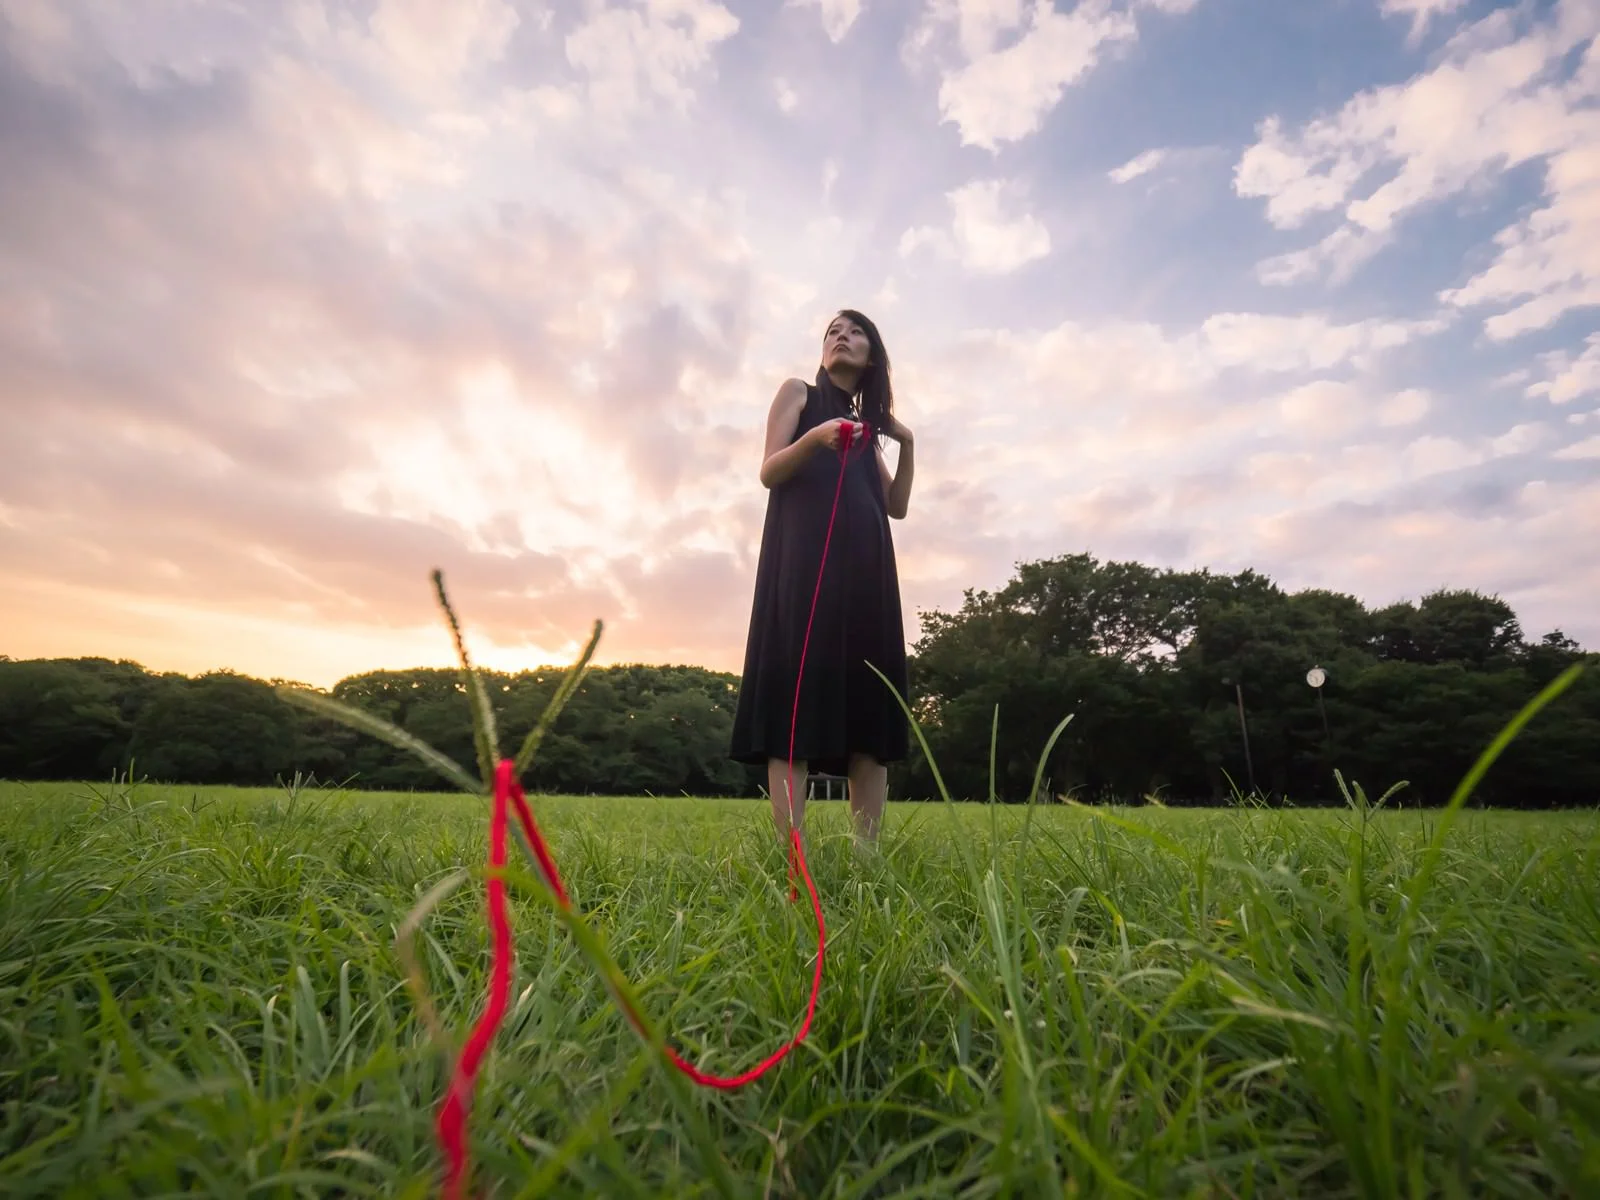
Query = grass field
x=200 y=994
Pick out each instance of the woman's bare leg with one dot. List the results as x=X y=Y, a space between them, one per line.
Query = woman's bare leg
x=778 y=789
x=869 y=784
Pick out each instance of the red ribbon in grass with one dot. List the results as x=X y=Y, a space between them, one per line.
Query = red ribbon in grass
x=451 y=1123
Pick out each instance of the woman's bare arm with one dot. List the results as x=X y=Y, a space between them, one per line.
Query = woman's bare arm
x=781 y=457
x=897 y=487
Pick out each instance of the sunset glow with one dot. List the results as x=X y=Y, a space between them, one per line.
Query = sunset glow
x=300 y=301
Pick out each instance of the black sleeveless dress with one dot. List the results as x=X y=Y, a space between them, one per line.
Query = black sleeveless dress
x=844 y=708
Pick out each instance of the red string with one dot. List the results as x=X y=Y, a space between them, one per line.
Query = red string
x=452 y=1118
x=508 y=795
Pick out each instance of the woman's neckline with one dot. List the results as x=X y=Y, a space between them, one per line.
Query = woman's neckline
x=852 y=404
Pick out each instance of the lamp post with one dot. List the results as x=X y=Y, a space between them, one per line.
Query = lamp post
x=1316 y=677
x=1244 y=732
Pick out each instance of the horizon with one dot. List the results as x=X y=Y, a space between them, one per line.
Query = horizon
x=300 y=304
x=597 y=663
x=1529 y=637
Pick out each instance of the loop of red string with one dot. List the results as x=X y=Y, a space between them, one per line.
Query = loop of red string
x=451 y=1123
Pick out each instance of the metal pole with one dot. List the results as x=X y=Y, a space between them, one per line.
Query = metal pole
x=1316 y=677
x=1244 y=730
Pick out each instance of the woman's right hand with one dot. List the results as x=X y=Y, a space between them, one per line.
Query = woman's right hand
x=832 y=433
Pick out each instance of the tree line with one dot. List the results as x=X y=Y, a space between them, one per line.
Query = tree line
x=1187 y=687
x=1191 y=687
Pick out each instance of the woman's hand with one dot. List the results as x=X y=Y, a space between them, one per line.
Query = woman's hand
x=831 y=434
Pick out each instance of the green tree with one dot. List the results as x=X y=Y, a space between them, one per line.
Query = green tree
x=1256 y=642
x=1149 y=662
x=1449 y=626
x=58 y=720
x=217 y=728
x=1068 y=635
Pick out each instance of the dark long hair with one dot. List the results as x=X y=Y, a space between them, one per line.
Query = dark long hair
x=874 y=388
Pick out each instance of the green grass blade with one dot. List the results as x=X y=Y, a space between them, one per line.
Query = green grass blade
x=485 y=737
x=379 y=728
x=624 y=995
x=569 y=684
x=1420 y=882
x=405 y=940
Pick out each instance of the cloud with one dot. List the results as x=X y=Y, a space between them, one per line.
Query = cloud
x=979 y=536
x=1502 y=94
x=287 y=396
x=1002 y=95
x=1406 y=407
x=1521 y=439
x=294 y=310
x=1324 y=407
x=1141 y=164
x=1570 y=378
x=1421 y=12
x=1306 y=341
x=838 y=16
x=1119 y=396
x=1005 y=64
x=1336 y=483
x=654 y=52
x=427 y=41
x=1106 y=403
x=1338 y=256
x=1210 y=445
x=1588 y=448
x=1228 y=443
x=985 y=234
x=979 y=23
x=1500 y=547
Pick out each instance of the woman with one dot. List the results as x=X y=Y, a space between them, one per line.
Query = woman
x=848 y=723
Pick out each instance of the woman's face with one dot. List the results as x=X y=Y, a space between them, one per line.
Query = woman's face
x=846 y=345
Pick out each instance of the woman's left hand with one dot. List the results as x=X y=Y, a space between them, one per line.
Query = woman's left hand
x=895 y=430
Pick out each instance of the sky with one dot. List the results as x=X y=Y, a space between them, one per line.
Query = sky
x=301 y=300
